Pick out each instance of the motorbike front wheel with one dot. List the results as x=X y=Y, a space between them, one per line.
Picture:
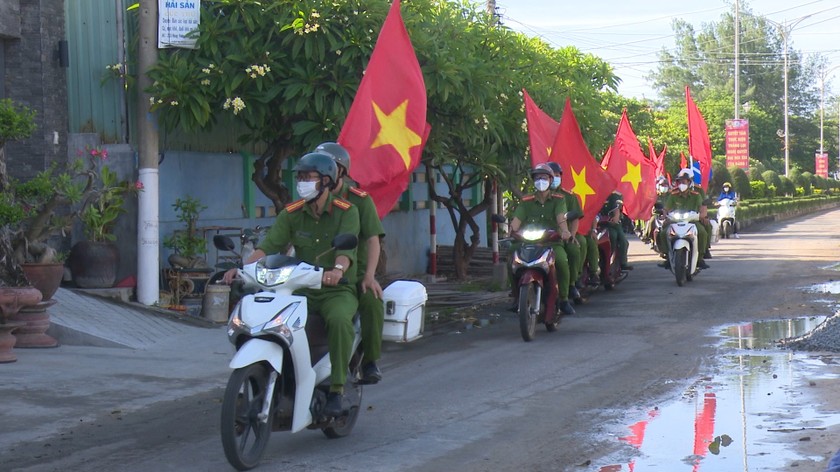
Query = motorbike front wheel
x=244 y=436
x=528 y=308
x=680 y=262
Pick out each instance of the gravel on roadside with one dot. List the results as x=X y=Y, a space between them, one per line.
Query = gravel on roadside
x=825 y=337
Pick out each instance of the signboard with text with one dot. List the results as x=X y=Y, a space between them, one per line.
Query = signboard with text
x=821 y=165
x=175 y=20
x=738 y=143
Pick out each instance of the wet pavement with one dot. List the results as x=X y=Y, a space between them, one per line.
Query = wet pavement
x=738 y=416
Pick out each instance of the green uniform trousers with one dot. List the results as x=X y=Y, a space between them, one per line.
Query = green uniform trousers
x=708 y=225
x=372 y=320
x=618 y=240
x=593 y=256
x=337 y=305
x=575 y=254
x=561 y=266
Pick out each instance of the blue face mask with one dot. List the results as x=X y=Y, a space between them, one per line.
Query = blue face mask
x=555 y=182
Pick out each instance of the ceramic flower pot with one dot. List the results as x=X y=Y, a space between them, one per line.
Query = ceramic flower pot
x=93 y=264
x=45 y=277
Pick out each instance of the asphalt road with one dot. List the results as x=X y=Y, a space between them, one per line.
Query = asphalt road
x=484 y=400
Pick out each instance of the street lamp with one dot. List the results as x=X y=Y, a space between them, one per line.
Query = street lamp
x=785 y=29
x=823 y=76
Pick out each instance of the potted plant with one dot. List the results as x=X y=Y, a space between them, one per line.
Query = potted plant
x=93 y=263
x=189 y=272
x=16 y=123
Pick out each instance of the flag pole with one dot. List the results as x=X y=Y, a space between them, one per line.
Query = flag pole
x=432 y=230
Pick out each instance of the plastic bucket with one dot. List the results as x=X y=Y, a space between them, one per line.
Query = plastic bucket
x=215 y=306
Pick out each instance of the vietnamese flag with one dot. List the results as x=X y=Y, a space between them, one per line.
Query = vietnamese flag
x=386 y=128
x=541 y=131
x=659 y=162
x=582 y=175
x=683 y=161
x=699 y=146
x=633 y=172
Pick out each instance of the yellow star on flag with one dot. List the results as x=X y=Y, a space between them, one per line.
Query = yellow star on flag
x=581 y=188
x=394 y=131
x=633 y=175
x=548 y=150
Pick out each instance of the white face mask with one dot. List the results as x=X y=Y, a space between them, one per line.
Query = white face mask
x=662 y=188
x=541 y=185
x=683 y=187
x=555 y=183
x=307 y=190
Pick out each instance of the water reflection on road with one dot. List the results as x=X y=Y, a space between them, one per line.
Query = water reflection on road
x=738 y=417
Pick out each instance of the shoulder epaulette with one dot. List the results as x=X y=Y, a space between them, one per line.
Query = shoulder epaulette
x=528 y=198
x=359 y=192
x=295 y=206
x=559 y=195
x=676 y=191
x=343 y=204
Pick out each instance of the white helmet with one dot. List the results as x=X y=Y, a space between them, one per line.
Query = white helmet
x=685 y=174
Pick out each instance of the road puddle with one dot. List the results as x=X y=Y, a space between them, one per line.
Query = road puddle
x=832 y=287
x=739 y=416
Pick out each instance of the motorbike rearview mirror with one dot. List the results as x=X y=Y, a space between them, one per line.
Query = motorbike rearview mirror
x=345 y=241
x=223 y=243
x=497 y=218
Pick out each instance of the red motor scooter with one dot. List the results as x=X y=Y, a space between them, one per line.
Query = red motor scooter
x=535 y=280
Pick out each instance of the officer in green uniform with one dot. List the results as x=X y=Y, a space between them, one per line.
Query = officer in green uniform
x=547 y=210
x=309 y=225
x=687 y=199
x=575 y=247
x=371 y=306
x=704 y=220
x=611 y=215
x=662 y=191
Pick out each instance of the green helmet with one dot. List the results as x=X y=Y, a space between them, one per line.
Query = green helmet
x=319 y=162
x=337 y=151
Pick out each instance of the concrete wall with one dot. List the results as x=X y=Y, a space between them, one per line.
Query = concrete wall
x=10 y=18
x=35 y=78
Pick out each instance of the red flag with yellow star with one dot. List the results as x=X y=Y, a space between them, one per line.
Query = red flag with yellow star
x=699 y=146
x=541 y=131
x=633 y=172
x=582 y=175
x=386 y=128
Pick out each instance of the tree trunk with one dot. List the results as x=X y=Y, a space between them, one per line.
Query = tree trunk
x=267 y=174
x=11 y=275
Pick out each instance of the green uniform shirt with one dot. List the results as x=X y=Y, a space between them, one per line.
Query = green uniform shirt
x=370 y=224
x=611 y=203
x=532 y=211
x=572 y=201
x=690 y=200
x=312 y=236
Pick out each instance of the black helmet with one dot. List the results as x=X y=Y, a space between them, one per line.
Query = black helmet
x=337 y=151
x=555 y=167
x=319 y=162
x=544 y=169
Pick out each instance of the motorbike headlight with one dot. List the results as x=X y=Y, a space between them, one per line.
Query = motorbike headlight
x=272 y=277
x=277 y=324
x=533 y=234
x=235 y=322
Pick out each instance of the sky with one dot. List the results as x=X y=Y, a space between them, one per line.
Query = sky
x=629 y=33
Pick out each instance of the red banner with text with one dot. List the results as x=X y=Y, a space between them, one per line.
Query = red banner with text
x=822 y=165
x=738 y=143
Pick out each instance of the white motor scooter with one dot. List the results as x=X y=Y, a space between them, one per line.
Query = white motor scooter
x=682 y=238
x=282 y=364
x=726 y=217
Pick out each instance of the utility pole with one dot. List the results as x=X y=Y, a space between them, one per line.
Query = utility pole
x=148 y=225
x=737 y=60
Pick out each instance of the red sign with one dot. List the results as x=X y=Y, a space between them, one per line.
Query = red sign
x=738 y=143
x=822 y=165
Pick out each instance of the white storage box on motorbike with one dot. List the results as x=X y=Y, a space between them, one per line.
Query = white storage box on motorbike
x=405 y=311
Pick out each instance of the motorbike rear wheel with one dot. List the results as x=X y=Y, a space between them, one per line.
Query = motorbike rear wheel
x=726 y=229
x=680 y=262
x=244 y=436
x=528 y=308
